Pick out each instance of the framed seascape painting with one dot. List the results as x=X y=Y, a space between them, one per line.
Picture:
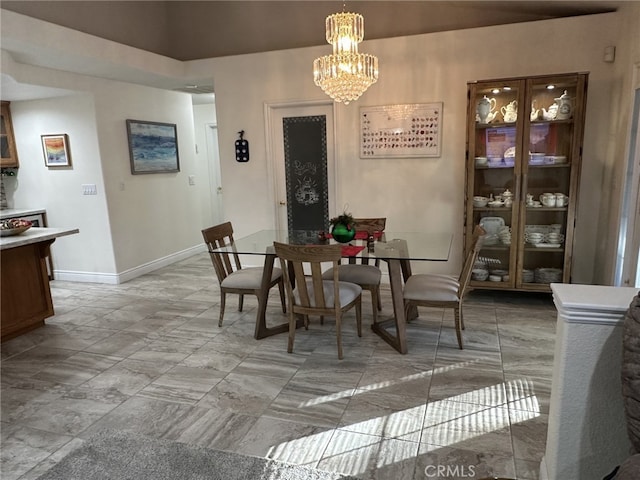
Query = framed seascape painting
x=56 y=150
x=153 y=147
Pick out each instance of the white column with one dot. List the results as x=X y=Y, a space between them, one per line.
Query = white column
x=587 y=434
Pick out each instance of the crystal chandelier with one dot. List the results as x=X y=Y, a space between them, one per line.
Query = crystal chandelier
x=346 y=74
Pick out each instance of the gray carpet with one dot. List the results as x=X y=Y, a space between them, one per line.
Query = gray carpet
x=123 y=456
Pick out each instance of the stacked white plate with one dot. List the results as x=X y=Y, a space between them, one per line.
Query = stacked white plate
x=527 y=276
x=547 y=275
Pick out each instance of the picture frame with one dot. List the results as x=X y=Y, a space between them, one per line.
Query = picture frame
x=56 y=150
x=153 y=147
x=405 y=130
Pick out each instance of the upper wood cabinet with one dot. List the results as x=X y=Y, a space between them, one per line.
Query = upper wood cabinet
x=524 y=149
x=9 y=157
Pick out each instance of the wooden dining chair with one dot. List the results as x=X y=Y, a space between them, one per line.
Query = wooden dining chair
x=363 y=274
x=315 y=295
x=431 y=290
x=231 y=276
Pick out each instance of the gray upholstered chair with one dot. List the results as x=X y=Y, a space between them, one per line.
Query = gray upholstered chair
x=429 y=290
x=315 y=295
x=231 y=276
x=363 y=274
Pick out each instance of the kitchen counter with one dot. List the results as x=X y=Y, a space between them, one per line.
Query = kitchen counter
x=25 y=295
x=20 y=212
x=34 y=235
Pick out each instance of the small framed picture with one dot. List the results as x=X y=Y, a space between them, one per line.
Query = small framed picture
x=56 y=150
x=153 y=147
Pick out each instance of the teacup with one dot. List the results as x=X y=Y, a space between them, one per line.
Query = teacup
x=561 y=200
x=548 y=199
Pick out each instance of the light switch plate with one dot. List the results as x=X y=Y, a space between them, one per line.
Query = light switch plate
x=89 y=189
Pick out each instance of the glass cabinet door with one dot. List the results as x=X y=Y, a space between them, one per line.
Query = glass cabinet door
x=493 y=171
x=552 y=137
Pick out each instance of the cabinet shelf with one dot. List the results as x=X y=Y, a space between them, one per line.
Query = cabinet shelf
x=555 y=140
x=546 y=209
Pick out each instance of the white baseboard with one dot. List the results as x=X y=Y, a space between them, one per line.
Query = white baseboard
x=544 y=473
x=130 y=274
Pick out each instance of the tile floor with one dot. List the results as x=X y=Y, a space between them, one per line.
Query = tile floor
x=148 y=357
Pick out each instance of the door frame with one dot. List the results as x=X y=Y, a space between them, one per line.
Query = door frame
x=627 y=258
x=215 y=178
x=272 y=168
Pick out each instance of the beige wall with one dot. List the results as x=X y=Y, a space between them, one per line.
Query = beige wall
x=427 y=193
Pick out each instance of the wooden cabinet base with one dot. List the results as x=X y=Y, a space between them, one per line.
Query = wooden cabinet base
x=25 y=293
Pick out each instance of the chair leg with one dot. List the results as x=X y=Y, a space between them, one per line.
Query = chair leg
x=292 y=331
x=282 y=297
x=240 y=302
x=461 y=318
x=375 y=301
x=407 y=309
x=223 y=298
x=378 y=297
x=339 y=334
x=456 y=314
x=359 y=317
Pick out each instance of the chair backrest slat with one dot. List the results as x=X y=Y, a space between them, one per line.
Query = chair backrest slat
x=472 y=255
x=296 y=256
x=369 y=225
x=216 y=237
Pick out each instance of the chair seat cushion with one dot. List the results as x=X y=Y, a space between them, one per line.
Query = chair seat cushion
x=430 y=288
x=249 y=278
x=360 y=274
x=348 y=293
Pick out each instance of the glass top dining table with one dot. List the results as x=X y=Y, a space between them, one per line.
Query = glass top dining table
x=397 y=249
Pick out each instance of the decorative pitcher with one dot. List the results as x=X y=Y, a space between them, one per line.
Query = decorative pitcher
x=485 y=108
x=510 y=112
x=565 y=106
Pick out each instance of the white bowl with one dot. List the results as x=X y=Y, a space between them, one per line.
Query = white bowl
x=479 y=274
x=481 y=161
x=480 y=201
x=495 y=278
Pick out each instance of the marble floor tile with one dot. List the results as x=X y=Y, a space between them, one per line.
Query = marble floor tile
x=306 y=401
x=183 y=384
x=147 y=356
x=397 y=377
x=128 y=376
x=120 y=344
x=369 y=457
x=243 y=393
x=327 y=369
x=23 y=448
x=453 y=463
x=529 y=434
x=286 y=441
x=384 y=415
x=77 y=368
x=469 y=385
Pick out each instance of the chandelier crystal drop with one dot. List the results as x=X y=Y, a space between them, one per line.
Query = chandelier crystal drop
x=346 y=74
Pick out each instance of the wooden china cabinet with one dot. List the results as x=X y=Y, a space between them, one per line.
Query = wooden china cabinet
x=524 y=148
